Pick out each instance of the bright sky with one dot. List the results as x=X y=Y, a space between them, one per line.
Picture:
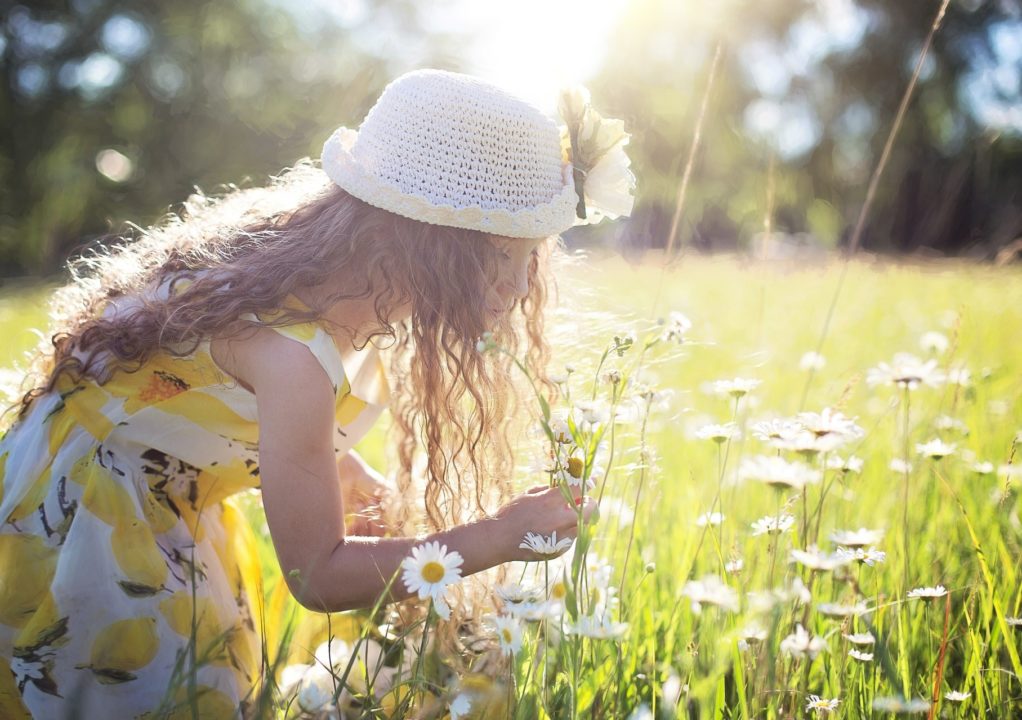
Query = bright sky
x=534 y=47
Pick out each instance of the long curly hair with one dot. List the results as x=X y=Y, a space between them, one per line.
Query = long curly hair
x=247 y=250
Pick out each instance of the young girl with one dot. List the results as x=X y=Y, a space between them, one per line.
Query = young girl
x=235 y=347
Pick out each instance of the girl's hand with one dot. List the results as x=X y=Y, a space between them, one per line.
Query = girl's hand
x=542 y=510
x=364 y=492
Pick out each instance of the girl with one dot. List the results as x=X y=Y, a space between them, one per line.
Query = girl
x=235 y=347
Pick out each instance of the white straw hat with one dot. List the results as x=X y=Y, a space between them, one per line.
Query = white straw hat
x=450 y=149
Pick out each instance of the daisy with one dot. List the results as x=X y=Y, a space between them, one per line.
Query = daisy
x=515 y=594
x=809 y=444
x=572 y=472
x=865 y=638
x=983 y=468
x=869 y=556
x=957 y=696
x=777 y=429
x=753 y=633
x=820 y=705
x=860 y=655
x=778 y=472
x=857 y=538
x=676 y=327
x=718 y=433
x=830 y=422
x=800 y=644
x=560 y=429
x=460 y=706
x=901 y=705
x=934 y=342
x=839 y=610
x=946 y=422
x=959 y=376
x=509 y=633
x=928 y=593
x=773 y=525
x=537 y=611
x=545 y=547
x=711 y=591
x=813 y=559
x=901 y=466
x=736 y=388
x=430 y=569
x=1014 y=622
x=852 y=464
x=906 y=371
x=734 y=567
x=597 y=628
x=936 y=449
x=709 y=518
x=812 y=360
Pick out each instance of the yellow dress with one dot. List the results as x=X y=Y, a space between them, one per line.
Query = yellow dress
x=116 y=512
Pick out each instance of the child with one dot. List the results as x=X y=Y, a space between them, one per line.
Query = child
x=236 y=348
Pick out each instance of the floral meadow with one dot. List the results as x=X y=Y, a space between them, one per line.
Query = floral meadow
x=808 y=480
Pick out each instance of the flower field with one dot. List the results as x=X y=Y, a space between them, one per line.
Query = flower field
x=808 y=479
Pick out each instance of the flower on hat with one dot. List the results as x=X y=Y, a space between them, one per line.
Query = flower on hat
x=594 y=145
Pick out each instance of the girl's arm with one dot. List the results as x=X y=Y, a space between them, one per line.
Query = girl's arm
x=325 y=569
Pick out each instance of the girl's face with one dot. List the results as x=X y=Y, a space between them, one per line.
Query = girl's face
x=514 y=255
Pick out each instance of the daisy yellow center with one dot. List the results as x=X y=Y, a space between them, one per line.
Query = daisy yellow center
x=558 y=591
x=575 y=466
x=506 y=634
x=433 y=572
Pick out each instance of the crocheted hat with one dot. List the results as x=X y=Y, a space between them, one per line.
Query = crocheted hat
x=450 y=149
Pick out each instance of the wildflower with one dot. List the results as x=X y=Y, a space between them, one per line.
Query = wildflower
x=1014 y=622
x=545 y=547
x=736 y=388
x=900 y=465
x=315 y=689
x=712 y=591
x=597 y=628
x=934 y=342
x=860 y=655
x=753 y=633
x=852 y=464
x=778 y=472
x=773 y=525
x=734 y=566
x=718 y=433
x=560 y=429
x=593 y=412
x=865 y=638
x=829 y=422
x=509 y=633
x=486 y=343
x=815 y=702
x=928 y=593
x=572 y=472
x=857 y=538
x=515 y=594
x=676 y=328
x=868 y=556
x=460 y=706
x=957 y=696
x=777 y=429
x=839 y=610
x=983 y=468
x=906 y=371
x=959 y=376
x=946 y=422
x=812 y=360
x=1009 y=471
x=935 y=449
x=536 y=611
x=801 y=644
x=430 y=569
x=901 y=705
x=612 y=377
x=709 y=518
x=809 y=444
x=813 y=559
x=622 y=343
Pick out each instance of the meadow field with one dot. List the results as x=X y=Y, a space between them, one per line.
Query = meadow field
x=782 y=534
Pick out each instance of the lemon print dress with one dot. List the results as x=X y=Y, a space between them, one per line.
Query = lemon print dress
x=119 y=540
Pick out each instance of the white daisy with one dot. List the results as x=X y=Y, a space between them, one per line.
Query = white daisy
x=597 y=628
x=906 y=371
x=709 y=518
x=868 y=556
x=856 y=538
x=733 y=567
x=773 y=525
x=1014 y=622
x=959 y=376
x=820 y=705
x=842 y=610
x=515 y=594
x=851 y=464
x=778 y=472
x=460 y=706
x=901 y=705
x=812 y=360
x=946 y=422
x=830 y=422
x=545 y=547
x=718 y=433
x=936 y=449
x=860 y=655
x=901 y=466
x=983 y=468
x=711 y=591
x=430 y=569
x=509 y=633
x=928 y=593
x=957 y=696
x=776 y=429
x=676 y=327
x=736 y=387
x=814 y=559
x=934 y=342
x=801 y=644
x=865 y=638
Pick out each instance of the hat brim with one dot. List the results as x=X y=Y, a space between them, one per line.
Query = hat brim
x=552 y=218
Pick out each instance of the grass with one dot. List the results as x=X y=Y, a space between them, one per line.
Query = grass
x=959 y=528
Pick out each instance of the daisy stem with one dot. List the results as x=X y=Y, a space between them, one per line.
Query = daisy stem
x=905 y=526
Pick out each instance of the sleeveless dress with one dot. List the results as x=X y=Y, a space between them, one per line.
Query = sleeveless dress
x=120 y=542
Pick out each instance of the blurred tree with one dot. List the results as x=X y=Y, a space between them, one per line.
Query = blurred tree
x=113 y=109
x=816 y=86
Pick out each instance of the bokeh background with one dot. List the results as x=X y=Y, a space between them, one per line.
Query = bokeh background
x=113 y=111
